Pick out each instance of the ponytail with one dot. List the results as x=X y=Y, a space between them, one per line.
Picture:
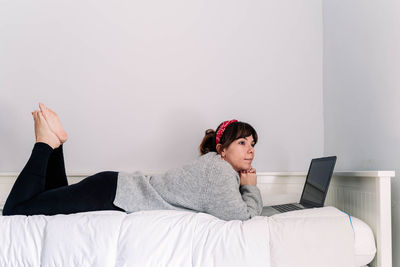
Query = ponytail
x=208 y=143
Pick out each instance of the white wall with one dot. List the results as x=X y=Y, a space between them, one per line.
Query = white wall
x=136 y=83
x=362 y=90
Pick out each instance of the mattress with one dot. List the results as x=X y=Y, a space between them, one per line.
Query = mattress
x=313 y=238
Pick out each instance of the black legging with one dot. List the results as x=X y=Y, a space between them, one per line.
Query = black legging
x=42 y=187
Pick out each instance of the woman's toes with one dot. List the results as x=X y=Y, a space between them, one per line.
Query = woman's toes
x=44 y=110
x=42 y=107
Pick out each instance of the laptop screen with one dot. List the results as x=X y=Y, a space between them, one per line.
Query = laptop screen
x=317 y=183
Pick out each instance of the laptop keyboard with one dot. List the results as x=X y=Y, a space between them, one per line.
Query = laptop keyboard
x=286 y=207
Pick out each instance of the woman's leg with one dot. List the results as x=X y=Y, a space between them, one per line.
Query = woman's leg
x=96 y=192
x=55 y=174
x=31 y=180
x=29 y=195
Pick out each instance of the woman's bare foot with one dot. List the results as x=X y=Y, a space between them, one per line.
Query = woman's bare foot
x=54 y=123
x=42 y=131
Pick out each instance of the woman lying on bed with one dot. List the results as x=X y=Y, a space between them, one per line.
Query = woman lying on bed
x=221 y=182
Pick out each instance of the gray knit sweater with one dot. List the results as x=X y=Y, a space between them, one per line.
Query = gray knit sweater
x=208 y=184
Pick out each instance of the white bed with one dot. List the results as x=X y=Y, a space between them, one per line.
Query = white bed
x=309 y=238
x=365 y=195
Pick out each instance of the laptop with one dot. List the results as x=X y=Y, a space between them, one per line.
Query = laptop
x=314 y=190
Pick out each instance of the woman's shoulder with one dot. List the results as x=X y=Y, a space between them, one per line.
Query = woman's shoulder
x=212 y=158
x=209 y=165
x=203 y=162
x=210 y=155
x=216 y=165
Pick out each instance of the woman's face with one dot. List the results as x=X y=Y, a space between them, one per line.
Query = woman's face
x=240 y=153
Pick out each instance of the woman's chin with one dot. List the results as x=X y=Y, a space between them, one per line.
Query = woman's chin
x=248 y=166
x=245 y=168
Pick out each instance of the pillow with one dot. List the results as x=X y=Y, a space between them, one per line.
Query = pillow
x=364 y=242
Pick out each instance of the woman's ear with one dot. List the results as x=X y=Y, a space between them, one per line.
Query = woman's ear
x=218 y=147
x=220 y=150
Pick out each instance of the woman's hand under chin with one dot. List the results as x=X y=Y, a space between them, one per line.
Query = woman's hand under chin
x=248 y=177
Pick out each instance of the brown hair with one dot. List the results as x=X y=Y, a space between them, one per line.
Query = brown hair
x=233 y=132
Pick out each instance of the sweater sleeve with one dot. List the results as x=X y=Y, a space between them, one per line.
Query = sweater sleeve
x=226 y=201
x=252 y=196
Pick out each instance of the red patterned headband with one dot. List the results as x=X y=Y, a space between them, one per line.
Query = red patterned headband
x=221 y=130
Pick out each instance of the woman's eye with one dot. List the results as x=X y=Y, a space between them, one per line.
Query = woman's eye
x=241 y=142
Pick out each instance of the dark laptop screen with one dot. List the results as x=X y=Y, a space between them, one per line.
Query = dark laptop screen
x=317 y=183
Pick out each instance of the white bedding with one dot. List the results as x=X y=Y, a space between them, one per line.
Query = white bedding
x=312 y=238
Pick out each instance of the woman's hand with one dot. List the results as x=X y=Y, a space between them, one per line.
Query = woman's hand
x=248 y=177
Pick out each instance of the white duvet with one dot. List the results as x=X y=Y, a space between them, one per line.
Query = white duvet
x=314 y=238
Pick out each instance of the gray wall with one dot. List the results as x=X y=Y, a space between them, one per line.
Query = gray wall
x=362 y=90
x=136 y=83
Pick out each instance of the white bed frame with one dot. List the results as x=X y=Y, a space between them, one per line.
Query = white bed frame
x=365 y=195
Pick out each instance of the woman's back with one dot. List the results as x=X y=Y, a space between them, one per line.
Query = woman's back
x=207 y=184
